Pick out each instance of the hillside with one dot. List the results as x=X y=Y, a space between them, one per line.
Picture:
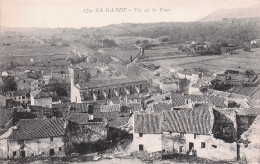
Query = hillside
x=252 y=11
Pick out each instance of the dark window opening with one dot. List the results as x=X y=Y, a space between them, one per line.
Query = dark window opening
x=203 y=144
x=140 y=134
x=59 y=148
x=141 y=147
x=195 y=136
x=51 y=139
x=181 y=135
x=14 y=153
x=52 y=152
x=214 y=146
x=22 y=154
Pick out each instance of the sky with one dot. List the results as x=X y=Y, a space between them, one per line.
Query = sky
x=66 y=13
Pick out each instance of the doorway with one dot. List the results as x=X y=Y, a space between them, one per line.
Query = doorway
x=191 y=146
x=22 y=154
x=52 y=152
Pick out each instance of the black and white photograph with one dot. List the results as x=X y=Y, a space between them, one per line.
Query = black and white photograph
x=130 y=81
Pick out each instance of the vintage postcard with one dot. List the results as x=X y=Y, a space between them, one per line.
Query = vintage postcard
x=122 y=82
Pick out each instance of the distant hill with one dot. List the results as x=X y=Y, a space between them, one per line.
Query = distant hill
x=252 y=11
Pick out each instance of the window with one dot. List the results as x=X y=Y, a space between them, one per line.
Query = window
x=23 y=81
x=181 y=149
x=141 y=147
x=59 y=148
x=195 y=136
x=214 y=146
x=181 y=135
x=140 y=134
x=14 y=153
x=23 y=97
x=203 y=144
x=51 y=139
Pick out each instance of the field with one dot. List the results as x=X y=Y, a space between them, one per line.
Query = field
x=124 y=52
x=240 y=60
x=131 y=40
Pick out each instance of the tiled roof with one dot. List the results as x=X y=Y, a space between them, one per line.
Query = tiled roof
x=76 y=107
x=179 y=99
x=120 y=121
x=194 y=121
x=110 y=108
x=148 y=123
x=38 y=128
x=131 y=108
x=108 y=115
x=111 y=82
x=40 y=94
x=36 y=108
x=161 y=107
x=21 y=93
x=83 y=118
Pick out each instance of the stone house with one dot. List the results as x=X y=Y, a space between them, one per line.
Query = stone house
x=24 y=83
x=191 y=75
x=183 y=131
x=84 y=89
x=166 y=84
x=41 y=98
x=21 y=96
x=61 y=75
x=36 y=137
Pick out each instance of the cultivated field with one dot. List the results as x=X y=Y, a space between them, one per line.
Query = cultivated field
x=124 y=52
x=240 y=60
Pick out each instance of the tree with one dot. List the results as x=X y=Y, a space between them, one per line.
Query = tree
x=109 y=43
x=8 y=84
x=145 y=42
x=184 y=85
